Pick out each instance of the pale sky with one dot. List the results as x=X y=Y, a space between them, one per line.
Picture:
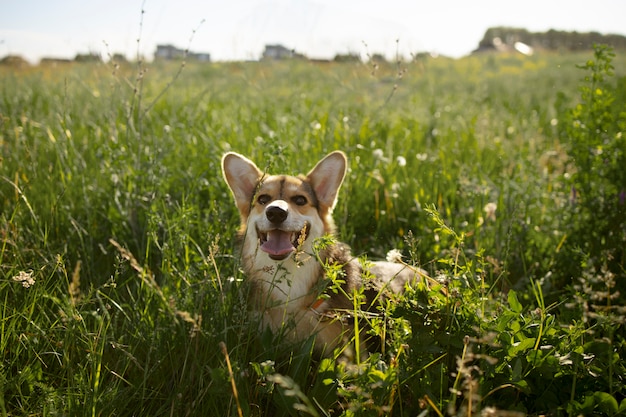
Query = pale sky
x=239 y=29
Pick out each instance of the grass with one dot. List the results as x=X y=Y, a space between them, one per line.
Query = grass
x=121 y=290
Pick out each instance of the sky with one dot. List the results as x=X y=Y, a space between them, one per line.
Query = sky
x=239 y=29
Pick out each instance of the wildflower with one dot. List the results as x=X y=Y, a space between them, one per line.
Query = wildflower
x=421 y=156
x=490 y=211
x=25 y=278
x=378 y=154
x=394 y=255
x=401 y=160
x=395 y=190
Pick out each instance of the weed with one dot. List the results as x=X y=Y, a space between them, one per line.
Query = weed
x=594 y=131
x=121 y=292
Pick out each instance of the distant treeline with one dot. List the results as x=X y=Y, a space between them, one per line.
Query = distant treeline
x=556 y=40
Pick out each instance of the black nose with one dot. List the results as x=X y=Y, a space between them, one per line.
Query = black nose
x=276 y=214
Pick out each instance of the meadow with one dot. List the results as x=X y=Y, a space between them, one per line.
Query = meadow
x=501 y=175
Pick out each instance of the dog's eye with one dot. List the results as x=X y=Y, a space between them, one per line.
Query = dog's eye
x=263 y=199
x=299 y=200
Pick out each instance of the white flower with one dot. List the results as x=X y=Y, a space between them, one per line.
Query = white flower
x=25 y=278
x=490 y=211
x=401 y=161
x=395 y=188
x=421 y=156
x=378 y=154
x=394 y=255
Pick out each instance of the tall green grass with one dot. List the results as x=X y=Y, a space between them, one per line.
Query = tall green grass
x=112 y=202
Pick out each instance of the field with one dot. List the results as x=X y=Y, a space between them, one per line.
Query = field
x=501 y=175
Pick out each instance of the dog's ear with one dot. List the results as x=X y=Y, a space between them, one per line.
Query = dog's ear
x=242 y=177
x=327 y=176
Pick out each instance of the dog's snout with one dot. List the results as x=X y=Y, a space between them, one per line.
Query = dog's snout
x=276 y=212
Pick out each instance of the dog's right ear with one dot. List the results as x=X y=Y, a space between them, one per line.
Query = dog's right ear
x=242 y=177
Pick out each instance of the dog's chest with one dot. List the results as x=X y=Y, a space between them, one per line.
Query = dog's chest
x=288 y=284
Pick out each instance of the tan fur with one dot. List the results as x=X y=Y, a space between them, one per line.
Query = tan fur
x=287 y=280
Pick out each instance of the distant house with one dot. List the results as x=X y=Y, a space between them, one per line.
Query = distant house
x=276 y=52
x=280 y=52
x=170 y=52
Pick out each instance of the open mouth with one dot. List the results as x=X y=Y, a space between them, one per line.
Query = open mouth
x=279 y=244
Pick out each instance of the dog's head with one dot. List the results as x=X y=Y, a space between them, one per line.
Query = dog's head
x=283 y=214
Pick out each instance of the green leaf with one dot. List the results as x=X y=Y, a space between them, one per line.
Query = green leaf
x=514 y=303
x=517 y=372
x=606 y=402
x=523 y=386
x=521 y=346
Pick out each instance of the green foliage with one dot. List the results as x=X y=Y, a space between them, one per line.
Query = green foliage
x=555 y=40
x=594 y=130
x=121 y=291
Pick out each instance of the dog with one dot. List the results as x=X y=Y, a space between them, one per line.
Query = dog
x=284 y=220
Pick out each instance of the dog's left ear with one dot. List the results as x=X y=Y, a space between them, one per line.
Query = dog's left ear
x=327 y=176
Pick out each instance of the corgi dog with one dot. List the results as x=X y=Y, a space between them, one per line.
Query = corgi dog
x=283 y=219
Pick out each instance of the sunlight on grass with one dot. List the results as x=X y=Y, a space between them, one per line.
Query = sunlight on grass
x=121 y=289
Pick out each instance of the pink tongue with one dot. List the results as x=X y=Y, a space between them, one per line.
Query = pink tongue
x=278 y=243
